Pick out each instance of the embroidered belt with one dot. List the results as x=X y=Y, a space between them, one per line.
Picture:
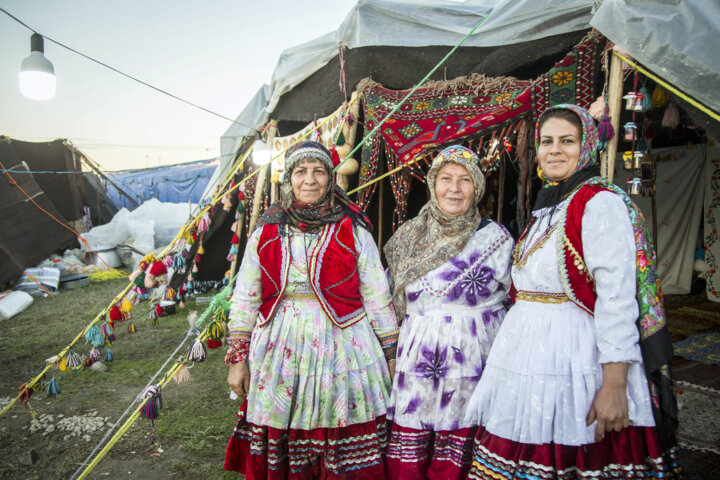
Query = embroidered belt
x=299 y=296
x=543 y=297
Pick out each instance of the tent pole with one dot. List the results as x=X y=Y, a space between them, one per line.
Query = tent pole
x=380 y=215
x=501 y=189
x=614 y=104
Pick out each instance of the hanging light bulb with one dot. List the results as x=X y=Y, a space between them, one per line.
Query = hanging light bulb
x=260 y=153
x=37 y=75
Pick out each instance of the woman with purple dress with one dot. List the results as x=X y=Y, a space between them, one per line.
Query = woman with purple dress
x=450 y=271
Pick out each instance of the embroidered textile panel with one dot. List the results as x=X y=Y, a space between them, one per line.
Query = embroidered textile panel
x=459 y=110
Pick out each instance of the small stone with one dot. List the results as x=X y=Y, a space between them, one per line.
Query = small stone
x=28 y=457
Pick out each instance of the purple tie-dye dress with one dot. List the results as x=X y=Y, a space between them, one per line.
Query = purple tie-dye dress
x=453 y=314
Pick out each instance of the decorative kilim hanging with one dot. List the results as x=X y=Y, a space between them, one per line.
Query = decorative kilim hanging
x=457 y=111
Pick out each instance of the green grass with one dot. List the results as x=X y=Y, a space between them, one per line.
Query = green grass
x=193 y=426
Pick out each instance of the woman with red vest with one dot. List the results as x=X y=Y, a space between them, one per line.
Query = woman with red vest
x=312 y=335
x=450 y=271
x=578 y=382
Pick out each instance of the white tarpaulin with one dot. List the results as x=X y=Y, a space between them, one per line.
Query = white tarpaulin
x=680 y=195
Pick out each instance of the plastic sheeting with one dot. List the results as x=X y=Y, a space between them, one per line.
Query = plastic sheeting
x=174 y=184
x=676 y=40
x=680 y=195
x=150 y=226
x=424 y=23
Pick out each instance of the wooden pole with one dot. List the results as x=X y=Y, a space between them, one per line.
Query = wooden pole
x=380 y=215
x=501 y=188
x=614 y=104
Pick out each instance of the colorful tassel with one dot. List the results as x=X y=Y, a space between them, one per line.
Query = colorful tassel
x=73 y=360
x=241 y=196
x=179 y=264
x=106 y=329
x=211 y=343
x=671 y=118
x=204 y=223
x=109 y=356
x=197 y=258
x=185 y=253
x=94 y=355
x=240 y=208
x=139 y=280
x=52 y=387
x=115 y=314
x=235 y=239
x=94 y=336
x=605 y=132
x=234 y=249
x=201 y=250
x=126 y=306
x=197 y=352
x=151 y=408
x=182 y=375
x=660 y=97
x=131 y=328
x=642 y=145
x=168 y=261
x=597 y=108
x=647 y=99
x=158 y=269
x=181 y=304
x=62 y=366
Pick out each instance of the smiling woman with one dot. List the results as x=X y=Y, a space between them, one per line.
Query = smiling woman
x=312 y=335
x=450 y=272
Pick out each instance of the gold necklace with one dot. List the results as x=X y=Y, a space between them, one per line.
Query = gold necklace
x=519 y=259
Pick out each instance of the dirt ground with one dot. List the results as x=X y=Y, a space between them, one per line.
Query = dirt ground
x=194 y=422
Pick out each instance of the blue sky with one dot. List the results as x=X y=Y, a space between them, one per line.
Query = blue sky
x=216 y=54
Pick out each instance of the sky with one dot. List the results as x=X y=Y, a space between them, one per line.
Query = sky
x=216 y=54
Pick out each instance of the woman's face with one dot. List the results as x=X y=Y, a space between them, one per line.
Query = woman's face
x=454 y=189
x=309 y=180
x=559 y=149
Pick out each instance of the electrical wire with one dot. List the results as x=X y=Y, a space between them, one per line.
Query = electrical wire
x=160 y=90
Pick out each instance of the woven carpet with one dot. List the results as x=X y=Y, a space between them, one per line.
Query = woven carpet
x=703 y=348
x=699 y=417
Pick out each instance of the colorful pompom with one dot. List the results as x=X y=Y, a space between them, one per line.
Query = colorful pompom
x=196 y=352
x=157 y=269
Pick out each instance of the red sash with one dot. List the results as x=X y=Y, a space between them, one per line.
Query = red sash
x=332 y=272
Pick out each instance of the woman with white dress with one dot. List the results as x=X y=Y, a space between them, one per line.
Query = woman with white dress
x=578 y=384
x=450 y=271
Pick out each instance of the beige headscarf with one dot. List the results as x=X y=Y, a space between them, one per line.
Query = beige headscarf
x=432 y=238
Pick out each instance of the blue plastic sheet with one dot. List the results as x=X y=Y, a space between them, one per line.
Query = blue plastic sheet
x=174 y=183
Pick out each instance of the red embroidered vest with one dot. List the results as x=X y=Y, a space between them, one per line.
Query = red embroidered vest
x=579 y=286
x=332 y=272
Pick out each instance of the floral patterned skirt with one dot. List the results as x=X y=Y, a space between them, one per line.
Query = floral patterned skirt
x=354 y=452
x=632 y=453
x=417 y=454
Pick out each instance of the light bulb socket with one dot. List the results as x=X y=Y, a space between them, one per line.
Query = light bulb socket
x=37 y=43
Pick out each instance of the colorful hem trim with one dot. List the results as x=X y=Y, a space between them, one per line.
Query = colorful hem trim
x=414 y=454
x=351 y=452
x=634 y=452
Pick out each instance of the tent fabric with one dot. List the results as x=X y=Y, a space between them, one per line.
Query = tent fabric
x=66 y=191
x=673 y=39
x=253 y=115
x=171 y=184
x=28 y=234
x=680 y=183
x=711 y=220
x=430 y=23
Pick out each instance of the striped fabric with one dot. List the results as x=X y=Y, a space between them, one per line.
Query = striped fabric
x=349 y=453
x=416 y=454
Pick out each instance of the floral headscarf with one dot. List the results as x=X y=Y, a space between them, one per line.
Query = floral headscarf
x=554 y=192
x=433 y=237
x=589 y=142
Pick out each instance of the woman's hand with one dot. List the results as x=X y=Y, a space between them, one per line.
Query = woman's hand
x=610 y=406
x=391 y=368
x=239 y=378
